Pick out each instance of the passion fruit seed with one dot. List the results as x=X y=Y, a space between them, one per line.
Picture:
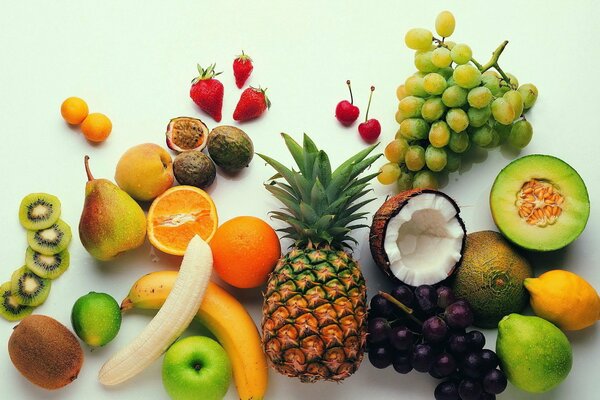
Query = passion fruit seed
x=539 y=203
x=188 y=133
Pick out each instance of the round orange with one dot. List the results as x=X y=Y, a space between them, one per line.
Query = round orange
x=245 y=250
x=179 y=214
x=74 y=110
x=96 y=127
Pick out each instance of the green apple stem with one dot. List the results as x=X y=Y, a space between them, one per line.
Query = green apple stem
x=409 y=311
x=87 y=168
x=369 y=105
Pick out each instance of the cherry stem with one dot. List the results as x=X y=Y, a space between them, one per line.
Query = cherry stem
x=86 y=160
x=350 y=90
x=409 y=311
x=369 y=105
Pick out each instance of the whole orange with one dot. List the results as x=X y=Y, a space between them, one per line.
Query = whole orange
x=74 y=110
x=96 y=127
x=245 y=250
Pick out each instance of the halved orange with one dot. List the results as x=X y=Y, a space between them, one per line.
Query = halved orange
x=179 y=214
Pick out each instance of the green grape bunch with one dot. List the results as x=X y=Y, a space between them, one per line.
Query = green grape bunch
x=449 y=104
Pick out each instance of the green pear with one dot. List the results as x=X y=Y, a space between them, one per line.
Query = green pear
x=534 y=354
x=111 y=221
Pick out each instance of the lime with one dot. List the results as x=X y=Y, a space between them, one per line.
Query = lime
x=96 y=318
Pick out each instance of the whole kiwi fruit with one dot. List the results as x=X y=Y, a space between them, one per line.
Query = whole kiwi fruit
x=45 y=352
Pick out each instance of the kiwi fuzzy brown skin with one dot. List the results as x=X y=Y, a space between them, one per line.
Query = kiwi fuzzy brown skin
x=389 y=209
x=45 y=352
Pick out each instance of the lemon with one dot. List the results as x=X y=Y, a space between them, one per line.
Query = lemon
x=565 y=299
x=96 y=318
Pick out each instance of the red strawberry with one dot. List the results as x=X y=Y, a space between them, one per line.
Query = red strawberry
x=253 y=102
x=207 y=92
x=242 y=67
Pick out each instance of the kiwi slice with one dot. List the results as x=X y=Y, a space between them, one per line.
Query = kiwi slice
x=44 y=266
x=28 y=288
x=39 y=211
x=10 y=308
x=51 y=240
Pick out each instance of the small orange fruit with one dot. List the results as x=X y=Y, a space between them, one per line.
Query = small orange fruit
x=74 y=110
x=245 y=250
x=179 y=214
x=96 y=127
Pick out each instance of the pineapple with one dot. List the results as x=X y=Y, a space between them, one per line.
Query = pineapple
x=314 y=309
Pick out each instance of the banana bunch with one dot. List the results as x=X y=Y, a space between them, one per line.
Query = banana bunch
x=225 y=317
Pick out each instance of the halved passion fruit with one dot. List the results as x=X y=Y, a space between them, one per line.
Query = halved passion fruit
x=418 y=237
x=540 y=202
x=186 y=133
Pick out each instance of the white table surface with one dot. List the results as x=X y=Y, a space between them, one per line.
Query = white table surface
x=134 y=61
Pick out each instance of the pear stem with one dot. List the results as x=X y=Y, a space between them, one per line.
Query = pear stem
x=350 y=89
x=369 y=105
x=87 y=168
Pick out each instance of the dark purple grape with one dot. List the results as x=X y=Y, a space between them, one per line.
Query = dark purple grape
x=401 y=338
x=404 y=295
x=435 y=330
x=472 y=365
x=469 y=389
x=401 y=363
x=426 y=299
x=378 y=330
x=381 y=307
x=490 y=359
x=458 y=344
x=459 y=315
x=494 y=382
x=444 y=365
x=445 y=297
x=487 y=396
x=446 y=391
x=476 y=340
x=422 y=357
x=380 y=356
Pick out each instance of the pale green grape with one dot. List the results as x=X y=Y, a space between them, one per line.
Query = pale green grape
x=418 y=39
x=425 y=180
x=502 y=111
x=502 y=130
x=420 y=74
x=388 y=173
x=514 y=82
x=467 y=76
x=495 y=142
x=516 y=101
x=459 y=142
x=529 y=93
x=396 y=150
x=455 y=96
x=491 y=82
x=452 y=161
x=433 y=109
x=479 y=97
x=481 y=136
x=400 y=117
x=423 y=61
x=446 y=73
x=414 y=86
x=440 y=57
x=520 y=134
x=479 y=116
x=415 y=158
x=435 y=158
x=410 y=106
x=434 y=83
x=445 y=23
x=461 y=53
x=414 y=129
x=450 y=44
x=439 y=134
x=405 y=181
x=457 y=119
x=401 y=92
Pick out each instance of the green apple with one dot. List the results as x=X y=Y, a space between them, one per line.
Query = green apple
x=196 y=367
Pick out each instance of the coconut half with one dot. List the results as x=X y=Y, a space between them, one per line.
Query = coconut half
x=418 y=237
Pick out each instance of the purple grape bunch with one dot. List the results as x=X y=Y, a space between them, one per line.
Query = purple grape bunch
x=425 y=329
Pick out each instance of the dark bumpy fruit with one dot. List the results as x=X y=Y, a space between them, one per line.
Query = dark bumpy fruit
x=194 y=168
x=230 y=148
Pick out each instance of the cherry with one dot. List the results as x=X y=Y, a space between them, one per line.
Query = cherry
x=371 y=128
x=346 y=112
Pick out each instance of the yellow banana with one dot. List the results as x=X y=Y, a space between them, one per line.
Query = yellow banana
x=225 y=317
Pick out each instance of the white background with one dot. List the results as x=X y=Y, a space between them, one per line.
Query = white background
x=134 y=61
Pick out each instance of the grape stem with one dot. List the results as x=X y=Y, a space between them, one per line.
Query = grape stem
x=409 y=311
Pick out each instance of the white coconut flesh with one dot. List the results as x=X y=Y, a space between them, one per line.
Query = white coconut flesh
x=423 y=242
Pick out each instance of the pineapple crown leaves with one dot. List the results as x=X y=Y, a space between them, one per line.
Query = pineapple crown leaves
x=207 y=73
x=320 y=204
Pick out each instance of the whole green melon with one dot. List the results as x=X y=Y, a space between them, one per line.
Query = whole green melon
x=230 y=148
x=491 y=277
